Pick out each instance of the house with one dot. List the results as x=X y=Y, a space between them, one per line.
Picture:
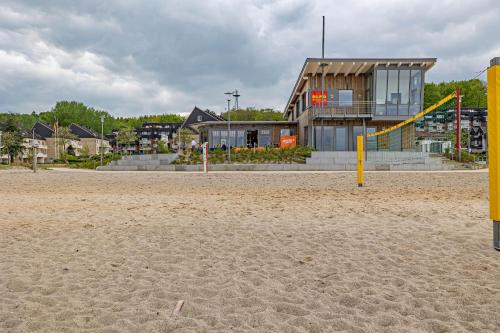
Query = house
x=151 y=134
x=91 y=142
x=198 y=116
x=438 y=124
x=358 y=93
x=56 y=146
x=30 y=140
x=245 y=133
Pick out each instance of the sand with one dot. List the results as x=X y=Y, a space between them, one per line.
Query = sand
x=263 y=252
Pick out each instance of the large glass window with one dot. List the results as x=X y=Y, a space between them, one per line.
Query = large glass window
x=264 y=138
x=327 y=132
x=345 y=98
x=392 y=93
x=223 y=138
x=233 y=138
x=415 y=91
x=240 y=142
x=404 y=92
x=215 y=138
x=381 y=91
x=340 y=138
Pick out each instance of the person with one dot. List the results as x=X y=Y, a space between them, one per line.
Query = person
x=193 y=145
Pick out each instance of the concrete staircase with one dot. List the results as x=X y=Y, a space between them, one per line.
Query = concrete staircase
x=153 y=162
x=376 y=161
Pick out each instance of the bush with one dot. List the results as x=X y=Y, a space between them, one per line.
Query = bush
x=250 y=156
x=93 y=161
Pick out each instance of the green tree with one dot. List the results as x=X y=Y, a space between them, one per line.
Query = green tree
x=162 y=148
x=12 y=144
x=64 y=138
x=184 y=136
x=126 y=136
x=254 y=114
x=464 y=137
x=473 y=92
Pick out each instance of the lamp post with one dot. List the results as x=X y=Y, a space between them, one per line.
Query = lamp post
x=229 y=94
x=102 y=139
x=1 y=148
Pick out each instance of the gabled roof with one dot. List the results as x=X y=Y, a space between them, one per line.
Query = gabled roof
x=206 y=115
x=43 y=130
x=83 y=132
x=28 y=134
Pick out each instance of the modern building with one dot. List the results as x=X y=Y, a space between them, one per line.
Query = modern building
x=91 y=142
x=248 y=134
x=150 y=135
x=375 y=93
x=437 y=124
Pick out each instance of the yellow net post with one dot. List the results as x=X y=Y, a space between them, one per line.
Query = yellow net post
x=361 y=160
x=494 y=146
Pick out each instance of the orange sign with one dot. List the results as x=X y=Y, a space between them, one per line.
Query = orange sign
x=288 y=141
x=316 y=97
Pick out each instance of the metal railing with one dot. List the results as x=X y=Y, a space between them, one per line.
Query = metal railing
x=355 y=109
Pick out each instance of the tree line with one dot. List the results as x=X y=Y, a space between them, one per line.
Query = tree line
x=473 y=93
x=68 y=112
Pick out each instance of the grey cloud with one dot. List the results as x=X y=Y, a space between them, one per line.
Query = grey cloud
x=135 y=57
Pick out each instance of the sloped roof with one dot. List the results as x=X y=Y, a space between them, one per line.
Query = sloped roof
x=83 y=132
x=208 y=115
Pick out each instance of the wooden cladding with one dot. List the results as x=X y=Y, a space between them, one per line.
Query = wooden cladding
x=350 y=82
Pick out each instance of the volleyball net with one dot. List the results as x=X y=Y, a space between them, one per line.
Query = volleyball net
x=407 y=135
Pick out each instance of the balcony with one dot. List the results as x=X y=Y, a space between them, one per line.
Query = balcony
x=357 y=109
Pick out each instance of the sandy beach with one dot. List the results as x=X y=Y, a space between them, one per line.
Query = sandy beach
x=84 y=251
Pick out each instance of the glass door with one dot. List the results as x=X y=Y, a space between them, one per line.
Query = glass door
x=340 y=138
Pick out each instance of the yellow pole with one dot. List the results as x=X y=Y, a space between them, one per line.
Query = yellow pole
x=361 y=160
x=494 y=146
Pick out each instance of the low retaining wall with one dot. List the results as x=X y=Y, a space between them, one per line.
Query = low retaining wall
x=276 y=167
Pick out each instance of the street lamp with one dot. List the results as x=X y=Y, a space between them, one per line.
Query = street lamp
x=102 y=139
x=229 y=94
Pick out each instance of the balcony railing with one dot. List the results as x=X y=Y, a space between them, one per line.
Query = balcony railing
x=357 y=109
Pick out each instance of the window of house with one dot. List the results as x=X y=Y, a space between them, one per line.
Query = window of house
x=392 y=92
x=404 y=92
x=381 y=91
x=345 y=98
x=415 y=91
x=240 y=141
x=199 y=118
x=285 y=132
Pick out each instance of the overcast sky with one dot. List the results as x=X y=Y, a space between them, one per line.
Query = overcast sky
x=148 y=57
